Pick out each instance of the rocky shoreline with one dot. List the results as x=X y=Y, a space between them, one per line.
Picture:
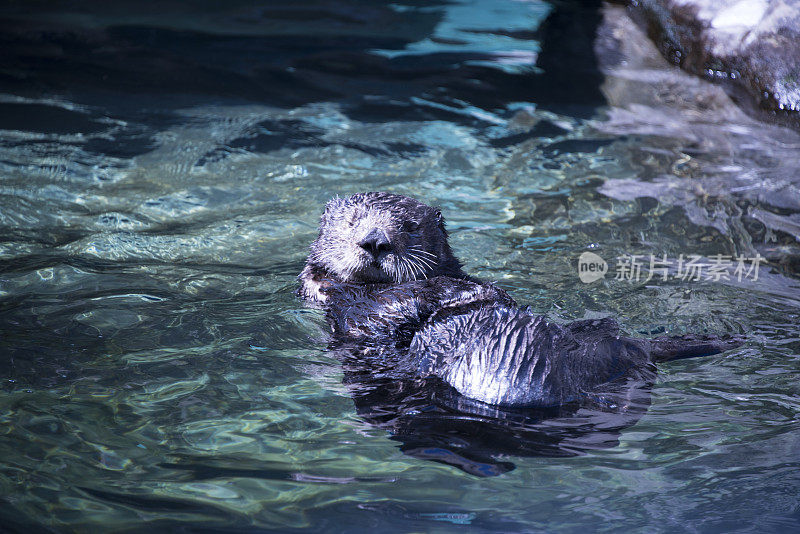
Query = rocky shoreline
x=751 y=46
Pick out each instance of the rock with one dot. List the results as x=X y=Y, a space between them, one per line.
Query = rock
x=693 y=147
x=751 y=45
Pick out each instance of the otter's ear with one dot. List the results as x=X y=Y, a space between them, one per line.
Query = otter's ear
x=440 y=220
x=333 y=204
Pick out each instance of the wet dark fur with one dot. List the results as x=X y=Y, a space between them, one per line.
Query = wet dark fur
x=444 y=359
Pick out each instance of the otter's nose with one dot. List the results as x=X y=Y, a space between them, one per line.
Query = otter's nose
x=375 y=242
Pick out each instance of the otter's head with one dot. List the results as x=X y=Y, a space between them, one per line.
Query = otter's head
x=378 y=238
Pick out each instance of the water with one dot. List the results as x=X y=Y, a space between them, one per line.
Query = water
x=162 y=175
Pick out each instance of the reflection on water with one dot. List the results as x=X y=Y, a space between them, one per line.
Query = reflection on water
x=161 y=178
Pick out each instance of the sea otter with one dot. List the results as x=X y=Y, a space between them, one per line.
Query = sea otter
x=387 y=276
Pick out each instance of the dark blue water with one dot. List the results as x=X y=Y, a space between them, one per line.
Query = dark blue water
x=161 y=176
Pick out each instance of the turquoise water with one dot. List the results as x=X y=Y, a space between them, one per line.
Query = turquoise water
x=161 y=178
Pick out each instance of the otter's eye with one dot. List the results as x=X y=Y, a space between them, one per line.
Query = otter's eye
x=410 y=226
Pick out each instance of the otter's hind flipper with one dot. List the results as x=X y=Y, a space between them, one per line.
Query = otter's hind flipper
x=667 y=348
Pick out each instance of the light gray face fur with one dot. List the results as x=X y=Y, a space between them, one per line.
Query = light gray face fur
x=378 y=238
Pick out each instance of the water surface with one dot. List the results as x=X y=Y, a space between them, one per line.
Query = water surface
x=162 y=176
